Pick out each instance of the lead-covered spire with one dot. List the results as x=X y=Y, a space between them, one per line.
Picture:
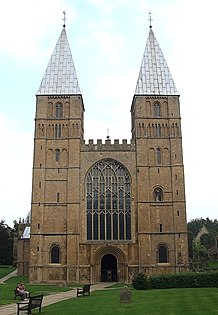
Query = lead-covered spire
x=60 y=76
x=154 y=76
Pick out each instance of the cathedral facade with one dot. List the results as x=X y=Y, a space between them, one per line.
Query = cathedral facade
x=106 y=211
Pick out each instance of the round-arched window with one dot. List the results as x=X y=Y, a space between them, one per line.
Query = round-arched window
x=158 y=194
x=163 y=255
x=55 y=254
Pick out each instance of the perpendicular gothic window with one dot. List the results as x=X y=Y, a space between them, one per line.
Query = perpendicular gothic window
x=156 y=108
x=58 y=110
x=55 y=254
x=108 y=202
x=163 y=254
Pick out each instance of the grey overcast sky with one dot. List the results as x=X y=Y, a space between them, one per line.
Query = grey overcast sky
x=107 y=40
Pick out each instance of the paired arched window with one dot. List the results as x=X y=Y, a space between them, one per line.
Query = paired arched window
x=163 y=254
x=58 y=110
x=55 y=254
x=108 y=202
x=158 y=194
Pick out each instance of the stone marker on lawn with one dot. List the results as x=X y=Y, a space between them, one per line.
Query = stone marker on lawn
x=125 y=295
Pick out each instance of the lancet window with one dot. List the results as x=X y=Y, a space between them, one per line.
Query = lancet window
x=157 y=131
x=58 y=110
x=57 y=155
x=108 y=202
x=158 y=152
x=156 y=108
x=57 y=130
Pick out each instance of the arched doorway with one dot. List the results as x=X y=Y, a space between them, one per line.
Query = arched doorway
x=109 y=268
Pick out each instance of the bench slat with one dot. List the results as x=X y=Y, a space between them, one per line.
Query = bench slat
x=34 y=302
x=84 y=290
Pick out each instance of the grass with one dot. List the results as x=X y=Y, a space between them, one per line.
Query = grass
x=199 y=301
x=7 y=289
x=191 y=301
x=5 y=270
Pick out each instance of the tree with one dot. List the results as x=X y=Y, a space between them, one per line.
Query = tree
x=6 y=244
x=206 y=240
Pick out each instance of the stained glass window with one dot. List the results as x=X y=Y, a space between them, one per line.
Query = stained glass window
x=108 y=202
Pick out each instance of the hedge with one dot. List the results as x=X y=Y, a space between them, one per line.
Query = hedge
x=179 y=280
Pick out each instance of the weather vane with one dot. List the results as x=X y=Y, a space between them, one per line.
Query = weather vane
x=64 y=19
x=150 y=19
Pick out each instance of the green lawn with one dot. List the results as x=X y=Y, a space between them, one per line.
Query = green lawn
x=200 y=301
x=7 y=289
x=5 y=270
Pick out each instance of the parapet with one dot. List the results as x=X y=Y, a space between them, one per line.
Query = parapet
x=107 y=145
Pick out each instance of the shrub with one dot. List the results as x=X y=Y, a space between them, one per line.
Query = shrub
x=178 y=280
x=140 y=282
x=185 y=280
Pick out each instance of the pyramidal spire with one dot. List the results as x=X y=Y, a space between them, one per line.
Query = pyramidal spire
x=60 y=76
x=154 y=76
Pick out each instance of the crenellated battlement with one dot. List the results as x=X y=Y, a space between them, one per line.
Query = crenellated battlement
x=107 y=145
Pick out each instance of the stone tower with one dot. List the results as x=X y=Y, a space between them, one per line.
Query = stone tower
x=156 y=132
x=106 y=211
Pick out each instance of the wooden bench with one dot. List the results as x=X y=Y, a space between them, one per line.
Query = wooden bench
x=84 y=291
x=34 y=302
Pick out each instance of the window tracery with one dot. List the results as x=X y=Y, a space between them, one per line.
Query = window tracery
x=108 y=202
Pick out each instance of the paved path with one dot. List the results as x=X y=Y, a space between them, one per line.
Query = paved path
x=12 y=274
x=11 y=309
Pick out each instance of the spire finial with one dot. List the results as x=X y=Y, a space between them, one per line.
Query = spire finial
x=150 y=19
x=64 y=19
